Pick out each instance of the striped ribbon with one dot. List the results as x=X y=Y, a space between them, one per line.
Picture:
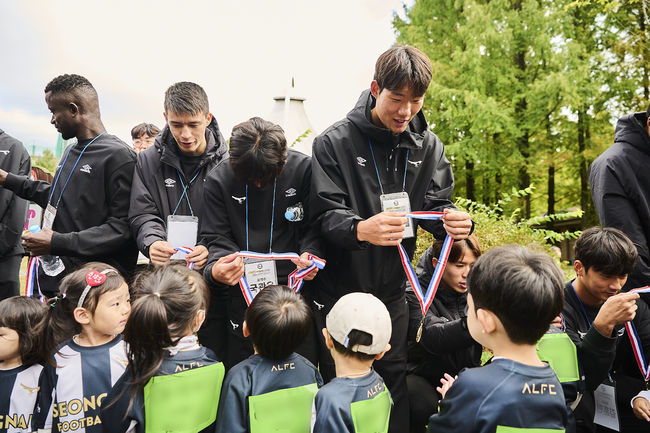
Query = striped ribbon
x=32 y=279
x=425 y=299
x=635 y=341
x=186 y=250
x=295 y=278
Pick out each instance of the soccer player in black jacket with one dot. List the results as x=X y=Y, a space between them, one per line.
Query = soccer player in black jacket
x=88 y=202
x=384 y=148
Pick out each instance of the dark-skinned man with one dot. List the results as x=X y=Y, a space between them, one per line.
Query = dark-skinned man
x=86 y=206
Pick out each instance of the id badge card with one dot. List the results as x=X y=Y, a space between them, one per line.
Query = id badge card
x=48 y=216
x=398 y=202
x=259 y=274
x=182 y=231
x=606 y=413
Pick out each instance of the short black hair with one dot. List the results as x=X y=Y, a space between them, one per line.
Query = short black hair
x=278 y=320
x=186 y=97
x=355 y=337
x=607 y=250
x=26 y=316
x=403 y=66
x=524 y=289
x=68 y=83
x=148 y=129
x=458 y=248
x=258 y=151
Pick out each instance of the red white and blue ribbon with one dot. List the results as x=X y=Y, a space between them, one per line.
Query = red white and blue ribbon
x=31 y=284
x=295 y=279
x=186 y=250
x=425 y=298
x=635 y=341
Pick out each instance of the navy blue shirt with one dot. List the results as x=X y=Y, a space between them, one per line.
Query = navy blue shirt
x=333 y=401
x=18 y=393
x=502 y=393
x=255 y=376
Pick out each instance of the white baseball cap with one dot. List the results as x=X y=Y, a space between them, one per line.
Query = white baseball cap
x=363 y=312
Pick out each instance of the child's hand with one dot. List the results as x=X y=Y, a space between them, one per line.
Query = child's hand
x=447 y=382
x=641 y=408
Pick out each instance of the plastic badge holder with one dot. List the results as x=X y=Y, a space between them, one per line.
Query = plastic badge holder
x=284 y=410
x=373 y=415
x=184 y=402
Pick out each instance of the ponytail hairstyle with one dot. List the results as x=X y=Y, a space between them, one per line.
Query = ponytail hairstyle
x=25 y=316
x=167 y=299
x=59 y=323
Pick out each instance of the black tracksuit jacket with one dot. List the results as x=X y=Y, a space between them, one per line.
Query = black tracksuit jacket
x=620 y=189
x=91 y=222
x=345 y=191
x=157 y=188
x=13 y=210
x=600 y=356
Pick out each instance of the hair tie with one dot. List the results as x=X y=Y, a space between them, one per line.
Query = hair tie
x=94 y=279
x=55 y=300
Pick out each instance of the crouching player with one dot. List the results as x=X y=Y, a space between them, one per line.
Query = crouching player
x=514 y=294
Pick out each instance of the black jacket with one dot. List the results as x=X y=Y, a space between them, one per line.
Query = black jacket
x=91 y=222
x=224 y=228
x=446 y=345
x=620 y=190
x=157 y=188
x=600 y=355
x=13 y=210
x=345 y=191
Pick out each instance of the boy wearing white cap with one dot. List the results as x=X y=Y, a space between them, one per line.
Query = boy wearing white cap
x=357 y=334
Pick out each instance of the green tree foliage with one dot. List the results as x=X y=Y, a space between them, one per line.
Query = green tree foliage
x=525 y=91
x=47 y=161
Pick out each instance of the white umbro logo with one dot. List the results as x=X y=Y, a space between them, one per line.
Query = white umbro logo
x=86 y=168
x=6 y=152
x=239 y=200
x=319 y=306
x=415 y=163
x=290 y=192
x=234 y=325
x=170 y=183
x=361 y=161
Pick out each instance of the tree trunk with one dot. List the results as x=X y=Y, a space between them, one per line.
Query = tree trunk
x=550 y=210
x=469 y=180
x=583 y=136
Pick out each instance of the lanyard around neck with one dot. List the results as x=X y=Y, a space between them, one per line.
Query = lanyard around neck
x=71 y=171
x=275 y=182
x=185 y=193
x=580 y=302
x=374 y=162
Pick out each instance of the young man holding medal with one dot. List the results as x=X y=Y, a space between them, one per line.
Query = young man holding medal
x=259 y=199
x=86 y=206
x=167 y=205
x=369 y=171
x=595 y=314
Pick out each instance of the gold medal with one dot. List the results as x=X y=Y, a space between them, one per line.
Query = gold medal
x=418 y=336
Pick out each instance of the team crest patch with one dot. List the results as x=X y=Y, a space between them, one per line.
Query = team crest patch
x=170 y=183
x=361 y=161
x=290 y=192
x=86 y=168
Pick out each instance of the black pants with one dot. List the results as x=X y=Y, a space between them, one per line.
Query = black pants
x=423 y=402
x=392 y=367
x=213 y=331
x=10 y=276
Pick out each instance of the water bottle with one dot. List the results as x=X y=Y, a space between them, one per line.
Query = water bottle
x=51 y=265
x=294 y=213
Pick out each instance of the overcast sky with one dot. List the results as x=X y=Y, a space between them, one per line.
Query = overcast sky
x=243 y=52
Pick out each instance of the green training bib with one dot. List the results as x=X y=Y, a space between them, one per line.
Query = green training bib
x=184 y=402
x=283 y=411
x=373 y=415
x=561 y=354
x=504 y=429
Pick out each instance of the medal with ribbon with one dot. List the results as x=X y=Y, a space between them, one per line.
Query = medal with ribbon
x=31 y=284
x=425 y=298
x=635 y=341
x=295 y=279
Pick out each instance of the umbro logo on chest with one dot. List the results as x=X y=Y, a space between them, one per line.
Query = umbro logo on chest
x=86 y=168
x=361 y=161
x=170 y=183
